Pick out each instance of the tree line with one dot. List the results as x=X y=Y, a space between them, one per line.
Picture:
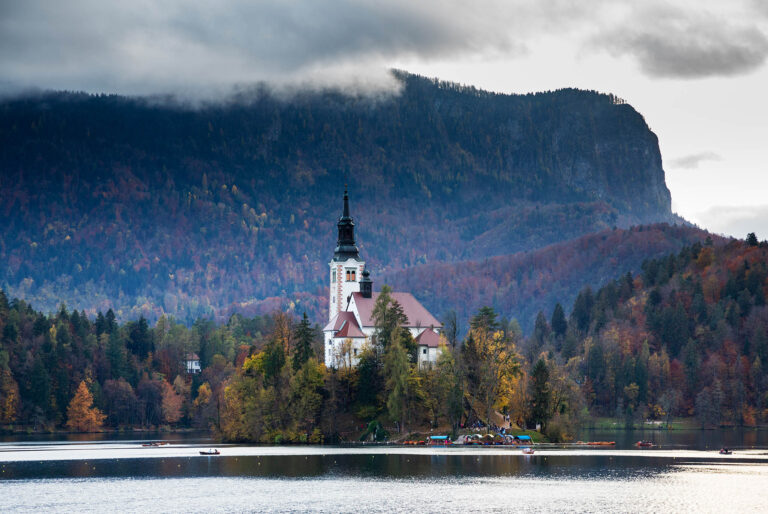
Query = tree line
x=686 y=337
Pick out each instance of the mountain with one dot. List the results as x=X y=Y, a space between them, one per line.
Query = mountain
x=153 y=207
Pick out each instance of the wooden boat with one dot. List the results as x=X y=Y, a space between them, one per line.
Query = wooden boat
x=644 y=444
x=210 y=452
x=601 y=443
x=527 y=451
x=155 y=443
x=726 y=451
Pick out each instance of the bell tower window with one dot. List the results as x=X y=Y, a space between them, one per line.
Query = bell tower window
x=351 y=274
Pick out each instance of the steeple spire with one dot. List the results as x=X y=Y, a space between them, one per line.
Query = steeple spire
x=346 y=248
x=346 y=203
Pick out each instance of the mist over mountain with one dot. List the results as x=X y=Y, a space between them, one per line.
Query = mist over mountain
x=152 y=208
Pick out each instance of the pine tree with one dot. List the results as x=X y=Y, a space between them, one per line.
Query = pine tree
x=541 y=395
x=559 y=323
x=81 y=415
x=303 y=335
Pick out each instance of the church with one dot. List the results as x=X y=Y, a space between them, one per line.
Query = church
x=351 y=302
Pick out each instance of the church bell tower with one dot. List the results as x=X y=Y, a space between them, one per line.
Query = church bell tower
x=346 y=267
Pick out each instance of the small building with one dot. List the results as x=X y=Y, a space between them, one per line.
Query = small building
x=352 y=299
x=192 y=363
x=429 y=342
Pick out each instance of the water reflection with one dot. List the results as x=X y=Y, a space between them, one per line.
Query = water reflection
x=115 y=474
x=683 y=439
x=350 y=465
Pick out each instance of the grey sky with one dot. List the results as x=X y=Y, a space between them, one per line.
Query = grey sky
x=696 y=69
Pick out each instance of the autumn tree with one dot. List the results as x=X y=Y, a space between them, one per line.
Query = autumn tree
x=307 y=394
x=397 y=374
x=490 y=359
x=171 y=403
x=9 y=396
x=81 y=415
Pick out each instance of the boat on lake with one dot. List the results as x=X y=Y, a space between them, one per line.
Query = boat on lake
x=644 y=444
x=527 y=451
x=726 y=451
x=210 y=452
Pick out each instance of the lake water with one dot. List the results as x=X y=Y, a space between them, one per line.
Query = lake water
x=684 y=474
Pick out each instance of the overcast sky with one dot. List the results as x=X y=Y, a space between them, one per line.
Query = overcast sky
x=696 y=70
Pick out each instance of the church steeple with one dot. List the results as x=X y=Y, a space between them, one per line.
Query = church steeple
x=345 y=246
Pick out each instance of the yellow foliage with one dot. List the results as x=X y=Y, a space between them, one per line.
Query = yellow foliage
x=81 y=416
x=9 y=397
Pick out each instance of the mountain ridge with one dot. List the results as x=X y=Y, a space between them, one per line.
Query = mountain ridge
x=150 y=209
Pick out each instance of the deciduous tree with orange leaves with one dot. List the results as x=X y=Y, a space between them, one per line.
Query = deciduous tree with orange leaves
x=81 y=415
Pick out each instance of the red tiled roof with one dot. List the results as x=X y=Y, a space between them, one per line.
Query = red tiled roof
x=338 y=320
x=428 y=338
x=349 y=329
x=344 y=325
x=417 y=315
x=192 y=357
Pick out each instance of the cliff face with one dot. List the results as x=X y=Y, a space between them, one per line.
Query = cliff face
x=153 y=208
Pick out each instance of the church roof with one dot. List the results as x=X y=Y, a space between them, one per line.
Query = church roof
x=428 y=338
x=344 y=325
x=417 y=315
x=349 y=329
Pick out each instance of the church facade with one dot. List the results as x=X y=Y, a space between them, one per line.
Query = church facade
x=351 y=301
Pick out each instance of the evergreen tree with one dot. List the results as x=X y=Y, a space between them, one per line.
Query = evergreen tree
x=303 y=337
x=559 y=323
x=540 y=394
x=582 y=309
x=388 y=317
x=140 y=338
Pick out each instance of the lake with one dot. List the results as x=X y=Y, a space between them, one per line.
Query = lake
x=684 y=474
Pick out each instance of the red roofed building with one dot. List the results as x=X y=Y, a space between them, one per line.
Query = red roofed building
x=352 y=300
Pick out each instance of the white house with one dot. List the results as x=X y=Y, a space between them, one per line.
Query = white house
x=351 y=301
x=192 y=363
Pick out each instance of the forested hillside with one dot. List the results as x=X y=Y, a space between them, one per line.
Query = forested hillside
x=150 y=208
x=520 y=285
x=689 y=336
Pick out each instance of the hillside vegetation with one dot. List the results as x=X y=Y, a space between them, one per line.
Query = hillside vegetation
x=689 y=336
x=522 y=284
x=150 y=208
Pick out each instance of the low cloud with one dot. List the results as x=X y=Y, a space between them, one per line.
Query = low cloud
x=672 y=43
x=145 y=46
x=191 y=47
x=690 y=162
x=736 y=221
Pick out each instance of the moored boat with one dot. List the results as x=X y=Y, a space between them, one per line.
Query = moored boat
x=644 y=444
x=210 y=452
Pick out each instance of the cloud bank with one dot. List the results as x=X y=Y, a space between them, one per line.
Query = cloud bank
x=670 y=42
x=145 y=46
